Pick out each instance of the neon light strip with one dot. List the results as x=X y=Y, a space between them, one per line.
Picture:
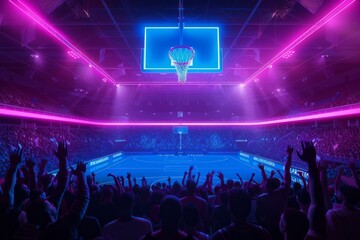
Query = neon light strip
x=318 y=116
x=197 y=69
x=52 y=31
x=333 y=13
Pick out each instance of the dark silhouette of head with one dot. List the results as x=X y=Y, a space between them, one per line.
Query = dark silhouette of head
x=294 y=224
x=272 y=184
x=239 y=204
x=224 y=198
x=190 y=216
x=191 y=187
x=107 y=194
x=296 y=187
x=230 y=183
x=303 y=197
x=40 y=212
x=349 y=194
x=126 y=202
x=170 y=212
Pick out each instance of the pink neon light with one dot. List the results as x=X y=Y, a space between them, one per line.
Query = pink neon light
x=318 y=116
x=52 y=31
x=333 y=13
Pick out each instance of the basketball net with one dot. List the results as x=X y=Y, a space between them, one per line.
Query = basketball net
x=181 y=56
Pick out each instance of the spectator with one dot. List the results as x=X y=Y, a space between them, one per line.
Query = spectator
x=240 y=206
x=127 y=226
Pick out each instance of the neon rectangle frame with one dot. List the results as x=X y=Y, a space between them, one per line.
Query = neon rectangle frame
x=164 y=65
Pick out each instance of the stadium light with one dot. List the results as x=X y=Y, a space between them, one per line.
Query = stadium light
x=26 y=9
x=290 y=48
x=303 y=118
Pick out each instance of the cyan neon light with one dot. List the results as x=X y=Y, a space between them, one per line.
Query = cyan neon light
x=304 y=118
x=330 y=15
x=159 y=40
x=59 y=36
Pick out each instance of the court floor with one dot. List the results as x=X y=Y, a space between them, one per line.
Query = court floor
x=159 y=167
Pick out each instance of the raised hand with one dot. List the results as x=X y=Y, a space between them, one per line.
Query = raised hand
x=169 y=179
x=62 y=150
x=220 y=175
x=128 y=175
x=15 y=157
x=191 y=168
x=261 y=166
x=80 y=169
x=111 y=175
x=122 y=179
x=309 y=153
x=30 y=164
x=289 y=150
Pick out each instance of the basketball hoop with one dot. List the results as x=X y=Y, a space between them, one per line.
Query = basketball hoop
x=181 y=57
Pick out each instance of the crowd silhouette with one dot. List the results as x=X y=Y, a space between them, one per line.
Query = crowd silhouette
x=71 y=205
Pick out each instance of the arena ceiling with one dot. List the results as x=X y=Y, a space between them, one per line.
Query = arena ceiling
x=110 y=33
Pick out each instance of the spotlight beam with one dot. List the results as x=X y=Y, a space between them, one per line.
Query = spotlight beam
x=59 y=36
x=309 y=117
x=330 y=15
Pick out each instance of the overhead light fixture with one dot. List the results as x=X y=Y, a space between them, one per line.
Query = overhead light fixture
x=330 y=15
x=27 y=10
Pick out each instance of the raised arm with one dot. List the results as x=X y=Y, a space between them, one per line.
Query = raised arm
x=220 y=175
x=305 y=186
x=183 y=179
x=191 y=168
x=280 y=174
x=169 y=182
x=240 y=179
x=41 y=171
x=263 y=174
x=287 y=177
x=247 y=185
x=118 y=185
x=353 y=171
x=63 y=175
x=30 y=164
x=197 y=179
x=272 y=173
x=316 y=213
x=10 y=178
x=82 y=198
x=324 y=184
x=128 y=176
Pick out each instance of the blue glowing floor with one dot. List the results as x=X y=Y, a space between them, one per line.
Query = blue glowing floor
x=159 y=167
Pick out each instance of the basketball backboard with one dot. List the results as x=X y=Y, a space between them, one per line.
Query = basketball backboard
x=159 y=40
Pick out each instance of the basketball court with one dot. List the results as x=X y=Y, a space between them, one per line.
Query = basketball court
x=160 y=167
